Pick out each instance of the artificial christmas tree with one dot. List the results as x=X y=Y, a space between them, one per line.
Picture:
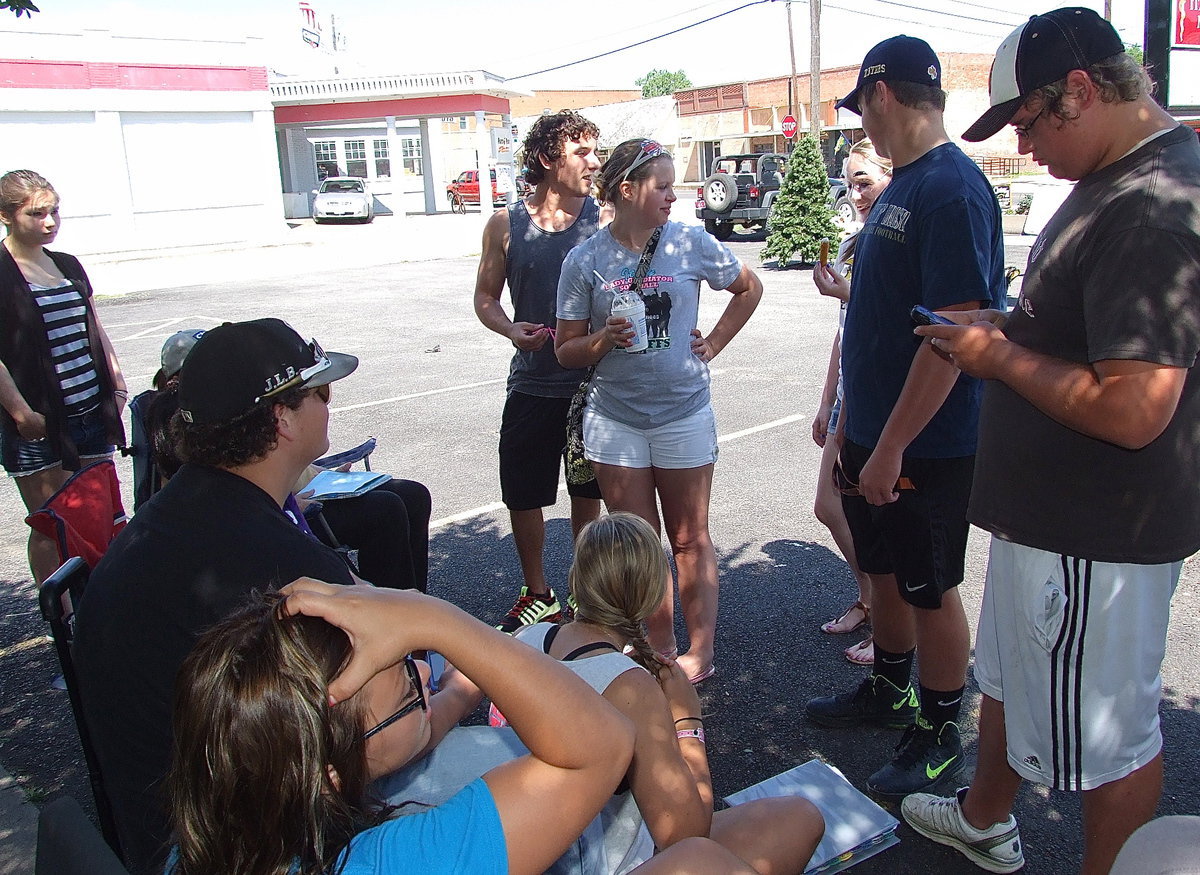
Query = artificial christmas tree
x=800 y=216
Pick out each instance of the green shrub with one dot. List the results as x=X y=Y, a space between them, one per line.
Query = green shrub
x=800 y=215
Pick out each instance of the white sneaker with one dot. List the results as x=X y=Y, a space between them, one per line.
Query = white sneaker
x=996 y=849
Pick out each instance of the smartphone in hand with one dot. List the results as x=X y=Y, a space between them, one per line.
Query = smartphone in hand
x=925 y=316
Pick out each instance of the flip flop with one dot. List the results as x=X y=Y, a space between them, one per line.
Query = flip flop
x=704 y=674
x=862 y=653
x=828 y=628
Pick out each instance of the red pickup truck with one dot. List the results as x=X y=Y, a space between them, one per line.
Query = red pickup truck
x=465 y=190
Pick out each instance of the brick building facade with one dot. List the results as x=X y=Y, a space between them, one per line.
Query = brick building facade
x=746 y=116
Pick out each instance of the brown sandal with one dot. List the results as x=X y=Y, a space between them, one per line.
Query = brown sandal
x=830 y=627
x=862 y=653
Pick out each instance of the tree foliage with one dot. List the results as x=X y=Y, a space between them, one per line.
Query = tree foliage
x=800 y=215
x=19 y=7
x=1135 y=51
x=656 y=83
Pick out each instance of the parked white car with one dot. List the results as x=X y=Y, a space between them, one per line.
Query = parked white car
x=343 y=197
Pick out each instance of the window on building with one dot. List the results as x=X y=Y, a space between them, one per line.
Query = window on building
x=356 y=158
x=462 y=122
x=383 y=164
x=325 y=154
x=410 y=149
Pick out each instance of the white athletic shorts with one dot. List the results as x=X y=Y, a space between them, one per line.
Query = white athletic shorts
x=1074 y=650
x=690 y=442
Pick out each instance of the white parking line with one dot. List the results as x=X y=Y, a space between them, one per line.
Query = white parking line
x=734 y=435
x=714 y=372
x=159 y=325
x=424 y=394
x=487 y=509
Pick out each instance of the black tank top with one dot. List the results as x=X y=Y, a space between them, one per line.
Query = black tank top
x=534 y=262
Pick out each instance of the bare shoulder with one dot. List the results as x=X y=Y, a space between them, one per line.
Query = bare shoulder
x=496 y=231
x=634 y=692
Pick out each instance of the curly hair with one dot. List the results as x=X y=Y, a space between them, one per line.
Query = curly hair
x=1119 y=79
x=612 y=174
x=246 y=438
x=547 y=137
x=160 y=408
x=619 y=578
x=18 y=186
x=251 y=786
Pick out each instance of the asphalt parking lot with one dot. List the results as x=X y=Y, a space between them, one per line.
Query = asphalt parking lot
x=431 y=387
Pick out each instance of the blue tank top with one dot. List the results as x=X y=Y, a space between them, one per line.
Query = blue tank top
x=534 y=261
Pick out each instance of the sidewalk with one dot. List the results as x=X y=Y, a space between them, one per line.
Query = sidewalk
x=301 y=247
x=18 y=828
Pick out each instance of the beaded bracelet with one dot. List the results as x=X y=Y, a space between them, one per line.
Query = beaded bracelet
x=697 y=734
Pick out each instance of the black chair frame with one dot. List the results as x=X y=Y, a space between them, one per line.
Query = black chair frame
x=57 y=596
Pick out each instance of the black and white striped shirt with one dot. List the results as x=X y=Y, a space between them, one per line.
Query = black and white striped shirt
x=65 y=317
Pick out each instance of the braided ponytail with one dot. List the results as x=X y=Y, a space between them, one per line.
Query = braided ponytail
x=619 y=578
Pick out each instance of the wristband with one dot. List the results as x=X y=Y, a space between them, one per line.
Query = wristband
x=121 y=393
x=681 y=719
x=697 y=734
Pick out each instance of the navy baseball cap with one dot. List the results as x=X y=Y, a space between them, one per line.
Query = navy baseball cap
x=235 y=366
x=897 y=59
x=1041 y=51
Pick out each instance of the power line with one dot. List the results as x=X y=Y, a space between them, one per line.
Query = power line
x=985 y=8
x=638 y=27
x=925 y=23
x=640 y=43
x=940 y=12
x=760 y=2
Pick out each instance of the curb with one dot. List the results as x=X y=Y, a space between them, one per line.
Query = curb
x=305 y=249
x=18 y=828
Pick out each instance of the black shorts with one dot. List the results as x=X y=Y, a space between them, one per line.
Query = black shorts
x=921 y=537
x=533 y=436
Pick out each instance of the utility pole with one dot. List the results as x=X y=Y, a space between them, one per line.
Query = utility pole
x=1108 y=10
x=792 y=55
x=814 y=69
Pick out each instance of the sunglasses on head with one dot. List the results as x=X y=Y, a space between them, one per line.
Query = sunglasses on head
x=321 y=362
x=651 y=149
x=410 y=666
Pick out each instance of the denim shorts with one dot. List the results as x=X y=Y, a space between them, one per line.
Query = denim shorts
x=21 y=457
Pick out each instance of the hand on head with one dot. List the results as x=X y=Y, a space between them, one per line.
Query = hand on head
x=368 y=616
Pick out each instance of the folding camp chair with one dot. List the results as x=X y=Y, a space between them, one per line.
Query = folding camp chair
x=361 y=453
x=84 y=515
x=147 y=479
x=58 y=596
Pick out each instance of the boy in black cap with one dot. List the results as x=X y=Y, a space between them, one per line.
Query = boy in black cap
x=1089 y=453
x=932 y=238
x=254 y=412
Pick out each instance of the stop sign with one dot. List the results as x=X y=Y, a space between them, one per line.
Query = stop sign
x=789 y=126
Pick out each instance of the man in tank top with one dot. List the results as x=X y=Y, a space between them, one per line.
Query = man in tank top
x=524 y=246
